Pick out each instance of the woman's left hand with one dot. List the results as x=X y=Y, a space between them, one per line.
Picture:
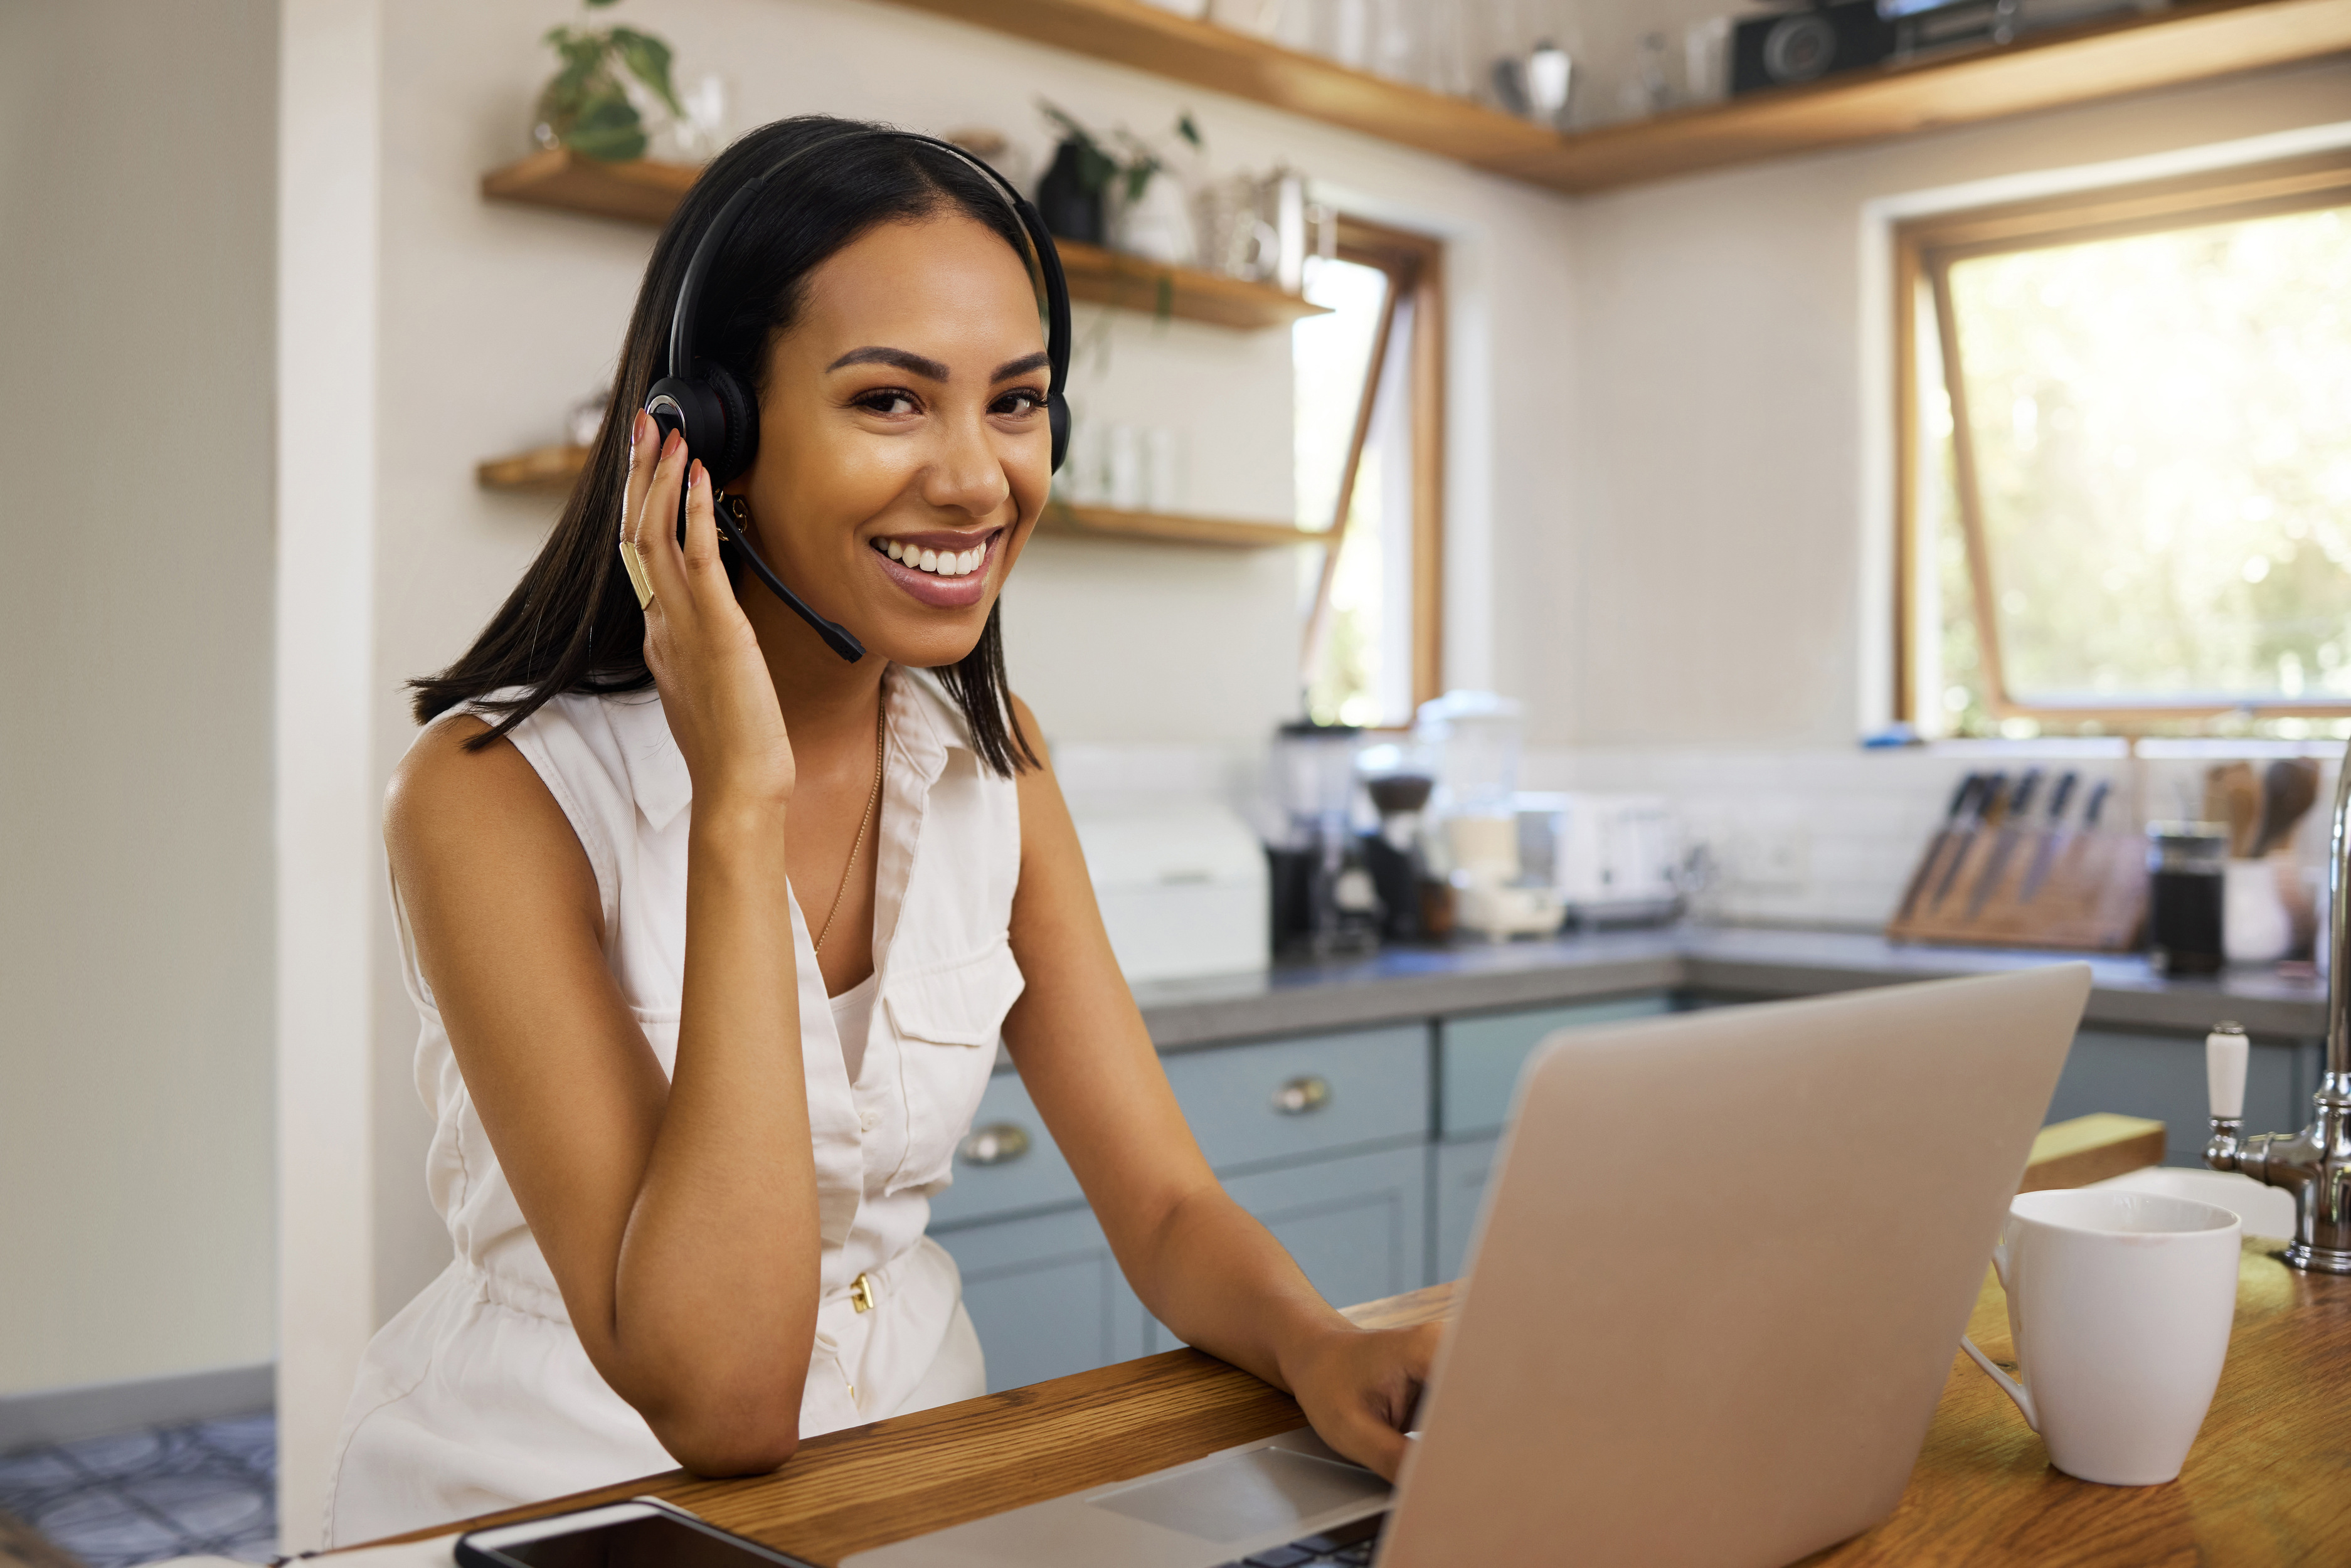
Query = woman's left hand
x=1361 y=1388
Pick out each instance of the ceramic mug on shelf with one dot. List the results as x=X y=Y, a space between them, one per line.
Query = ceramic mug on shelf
x=2119 y=1303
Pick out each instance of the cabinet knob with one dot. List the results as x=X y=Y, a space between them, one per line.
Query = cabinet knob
x=999 y=1143
x=1300 y=1095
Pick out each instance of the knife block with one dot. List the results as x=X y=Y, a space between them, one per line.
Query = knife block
x=2092 y=898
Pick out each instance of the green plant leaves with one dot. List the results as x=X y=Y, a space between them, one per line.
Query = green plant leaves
x=608 y=129
x=647 y=58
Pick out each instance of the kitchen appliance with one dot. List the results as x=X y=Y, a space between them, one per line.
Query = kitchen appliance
x=1492 y=895
x=1807 y=44
x=1613 y=860
x=1181 y=882
x=1324 y=899
x=1413 y=905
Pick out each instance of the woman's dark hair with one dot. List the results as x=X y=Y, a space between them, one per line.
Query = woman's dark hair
x=572 y=624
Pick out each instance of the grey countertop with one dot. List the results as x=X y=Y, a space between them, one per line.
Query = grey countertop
x=1407 y=983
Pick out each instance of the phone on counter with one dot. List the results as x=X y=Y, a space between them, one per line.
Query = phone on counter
x=639 y=1534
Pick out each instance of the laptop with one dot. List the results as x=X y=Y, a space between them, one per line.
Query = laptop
x=1716 y=1284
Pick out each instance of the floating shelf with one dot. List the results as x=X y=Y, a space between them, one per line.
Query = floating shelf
x=542 y=471
x=647 y=192
x=1102 y=522
x=553 y=470
x=2192 y=41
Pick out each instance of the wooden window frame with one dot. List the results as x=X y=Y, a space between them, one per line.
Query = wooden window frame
x=1925 y=250
x=1414 y=266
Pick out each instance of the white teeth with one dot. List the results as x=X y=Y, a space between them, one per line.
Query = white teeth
x=971 y=559
x=929 y=562
x=896 y=549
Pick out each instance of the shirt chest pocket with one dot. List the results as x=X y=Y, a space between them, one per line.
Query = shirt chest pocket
x=945 y=1019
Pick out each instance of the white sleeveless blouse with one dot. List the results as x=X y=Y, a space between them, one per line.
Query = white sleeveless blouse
x=478 y=1395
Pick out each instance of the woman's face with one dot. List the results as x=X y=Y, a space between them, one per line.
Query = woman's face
x=904 y=445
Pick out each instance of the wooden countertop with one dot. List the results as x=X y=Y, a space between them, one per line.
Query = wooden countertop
x=2269 y=1480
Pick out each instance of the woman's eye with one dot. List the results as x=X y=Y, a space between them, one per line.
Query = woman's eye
x=1021 y=399
x=889 y=401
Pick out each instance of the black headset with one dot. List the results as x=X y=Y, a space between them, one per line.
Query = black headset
x=719 y=418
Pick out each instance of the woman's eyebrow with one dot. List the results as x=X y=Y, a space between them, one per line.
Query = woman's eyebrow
x=1020 y=367
x=913 y=364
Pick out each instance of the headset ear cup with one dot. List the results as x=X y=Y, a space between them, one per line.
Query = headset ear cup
x=1057 y=416
x=740 y=410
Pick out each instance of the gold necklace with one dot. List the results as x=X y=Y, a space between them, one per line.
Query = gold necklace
x=872 y=800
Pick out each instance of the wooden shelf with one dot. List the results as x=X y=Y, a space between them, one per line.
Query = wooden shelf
x=542 y=471
x=647 y=192
x=1101 y=276
x=552 y=471
x=2192 y=41
x=1104 y=523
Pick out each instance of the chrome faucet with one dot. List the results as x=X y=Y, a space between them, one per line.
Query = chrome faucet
x=2315 y=1165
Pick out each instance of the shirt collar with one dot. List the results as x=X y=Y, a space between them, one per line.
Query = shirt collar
x=923 y=724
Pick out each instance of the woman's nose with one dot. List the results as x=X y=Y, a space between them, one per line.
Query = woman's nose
x=965 y=475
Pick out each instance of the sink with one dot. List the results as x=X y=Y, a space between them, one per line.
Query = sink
x=2266 y=1210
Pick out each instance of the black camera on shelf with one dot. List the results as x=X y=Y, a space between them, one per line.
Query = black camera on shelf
x=1807 y=44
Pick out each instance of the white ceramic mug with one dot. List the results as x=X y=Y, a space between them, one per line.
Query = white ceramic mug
x=2119 y=1303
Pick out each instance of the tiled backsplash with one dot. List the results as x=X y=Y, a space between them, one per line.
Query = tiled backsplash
x=1821 y=838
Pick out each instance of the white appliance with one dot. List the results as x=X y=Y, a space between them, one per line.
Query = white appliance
x=1612 y=858
x=1181 y=884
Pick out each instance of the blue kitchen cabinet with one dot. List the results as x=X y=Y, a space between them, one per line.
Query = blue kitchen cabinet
x=1356 y=1224
x=1480 y=1057
x=2162 y=1076
x=1458 y=1173
x=1046 y=1296
x=1289 y=1100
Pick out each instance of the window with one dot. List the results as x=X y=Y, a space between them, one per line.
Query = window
x=2126 y=458
x=1369 y=463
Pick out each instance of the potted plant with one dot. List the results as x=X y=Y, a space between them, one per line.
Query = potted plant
x=587 y=105
x=1100 y=196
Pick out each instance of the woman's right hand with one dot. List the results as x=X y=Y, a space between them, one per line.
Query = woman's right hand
x=705 y=657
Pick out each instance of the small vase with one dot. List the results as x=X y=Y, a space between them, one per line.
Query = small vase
x=1157 y=226
x=1071 y=211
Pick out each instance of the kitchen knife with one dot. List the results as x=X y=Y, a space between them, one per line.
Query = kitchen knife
x=1987 y=807
x=2053 y=837
x=1961 y=799
x=2012 y=827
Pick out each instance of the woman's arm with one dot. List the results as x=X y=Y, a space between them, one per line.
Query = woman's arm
x=679 y=1215
x=1202 y=1265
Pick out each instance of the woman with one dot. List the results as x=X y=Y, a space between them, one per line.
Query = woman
x=713 y=933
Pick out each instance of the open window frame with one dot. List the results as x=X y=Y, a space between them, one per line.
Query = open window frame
x=1925 y=251
x=1414 y=266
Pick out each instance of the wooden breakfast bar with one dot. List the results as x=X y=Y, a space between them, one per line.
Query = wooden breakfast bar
x=2269 y=1480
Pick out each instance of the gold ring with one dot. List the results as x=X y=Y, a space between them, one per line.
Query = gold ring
x=636 y=570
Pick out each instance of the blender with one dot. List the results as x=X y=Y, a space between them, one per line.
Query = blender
x=1324 y=900
x=1476 y=738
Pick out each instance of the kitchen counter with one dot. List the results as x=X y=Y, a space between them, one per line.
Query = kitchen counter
x=2264 y=1485
x=1401 y=983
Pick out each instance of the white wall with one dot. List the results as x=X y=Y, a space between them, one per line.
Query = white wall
x=136 y=143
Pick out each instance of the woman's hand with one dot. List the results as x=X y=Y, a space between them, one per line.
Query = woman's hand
x=1361 y=1387
x=706 y=659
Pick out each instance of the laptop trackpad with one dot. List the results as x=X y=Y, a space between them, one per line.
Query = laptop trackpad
x=1252 y=1493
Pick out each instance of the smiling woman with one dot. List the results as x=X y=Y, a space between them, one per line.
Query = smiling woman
x=686 y=1138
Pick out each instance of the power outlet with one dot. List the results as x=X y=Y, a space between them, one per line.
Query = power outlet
x=1775 y=857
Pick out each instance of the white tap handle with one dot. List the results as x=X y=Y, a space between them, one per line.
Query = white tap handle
x=2225 y=1051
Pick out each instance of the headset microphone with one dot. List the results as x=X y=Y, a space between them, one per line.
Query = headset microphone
x=719 y=418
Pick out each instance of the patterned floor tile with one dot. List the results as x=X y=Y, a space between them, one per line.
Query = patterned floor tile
x=141 y=1497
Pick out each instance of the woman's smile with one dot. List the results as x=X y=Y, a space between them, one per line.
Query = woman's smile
x=946 y=568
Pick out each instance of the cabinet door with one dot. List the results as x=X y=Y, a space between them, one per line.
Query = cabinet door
x=1008 y=1164
x=1046 y=1296
x=1480 y=1057
x=1291 y=1098
x=1458 y=1174
x=2162 y=1076
x=1357 y=1223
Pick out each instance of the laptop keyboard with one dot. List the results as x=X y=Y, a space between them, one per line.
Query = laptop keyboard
x=1351 y=1545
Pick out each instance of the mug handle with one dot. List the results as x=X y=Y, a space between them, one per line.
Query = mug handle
x=2008 y=1385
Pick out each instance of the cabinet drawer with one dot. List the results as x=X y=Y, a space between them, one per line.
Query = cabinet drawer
x=1481 y=1056
x=1291 y=1097
x=1046 y=1297
x=989 y=1179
